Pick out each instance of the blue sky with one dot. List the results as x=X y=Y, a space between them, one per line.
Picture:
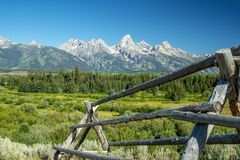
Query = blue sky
x=199 y=26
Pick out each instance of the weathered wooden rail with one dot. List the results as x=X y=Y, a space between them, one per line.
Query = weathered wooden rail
x=205 y=115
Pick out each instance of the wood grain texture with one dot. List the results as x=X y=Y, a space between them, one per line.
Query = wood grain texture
x=203 y=107
x=201 y=132
x=216 y=139
x=98 y=129
x=202 y=118
x=234 y=102
x=87 y=155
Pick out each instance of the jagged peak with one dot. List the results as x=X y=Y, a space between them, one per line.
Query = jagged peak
x=127 y=44
x=126 y=40
x=97 y=41
x=127 y=36
x=143 y=42
x=35 y=43
x=76 y=41
x=166 y=44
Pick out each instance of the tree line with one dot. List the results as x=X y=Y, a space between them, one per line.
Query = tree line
x=93 y=82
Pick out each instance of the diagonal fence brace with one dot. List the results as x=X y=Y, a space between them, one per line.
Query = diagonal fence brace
x=98 y=129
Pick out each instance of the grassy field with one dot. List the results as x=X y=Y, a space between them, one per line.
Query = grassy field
x=28 y=119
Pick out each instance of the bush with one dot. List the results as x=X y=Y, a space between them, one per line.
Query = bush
x=24 y=128
x=28 y=108
x=11 y=101
x=176 y=92
x=221 y=152
x=59 y=133
x=44 y=103
x=13 y=150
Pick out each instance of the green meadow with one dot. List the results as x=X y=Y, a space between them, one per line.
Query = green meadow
x=37 y=110
x=31 y=119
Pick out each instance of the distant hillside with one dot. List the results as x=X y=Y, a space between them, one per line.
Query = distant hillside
x=95 y=55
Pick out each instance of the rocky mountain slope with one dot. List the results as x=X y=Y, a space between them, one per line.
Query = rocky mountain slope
x=95 y=55
x=129 y=56
x=35 y=57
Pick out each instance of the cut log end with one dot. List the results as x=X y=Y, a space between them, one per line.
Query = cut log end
x=217 y=106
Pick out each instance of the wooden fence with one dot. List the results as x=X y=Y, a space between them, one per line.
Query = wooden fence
x=205 y=115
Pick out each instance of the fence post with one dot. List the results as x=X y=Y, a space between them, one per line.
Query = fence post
x=201 y=132
x=232 y=77
x=234 y=102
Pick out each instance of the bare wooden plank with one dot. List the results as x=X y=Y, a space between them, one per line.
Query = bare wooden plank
x=82 y=138
x=228 y=69
x=203 y=107
x=206 y=63
x=98 y=129
x=75 y=132
x=72 y=136
x=85 y=154
x=233 y=122
x=234 y=102
x=201 y=132
x=101 y=135
x=215 y=139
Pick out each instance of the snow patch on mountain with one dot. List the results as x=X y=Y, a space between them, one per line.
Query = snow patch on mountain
x=5 y=43
x=134 y=55
x=37 y=44
x=95 y=55
x=79 y=47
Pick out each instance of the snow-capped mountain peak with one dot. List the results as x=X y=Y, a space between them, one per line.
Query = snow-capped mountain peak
x=126 y=41
x=127 y=44
x=144 y=46
x=5 y=43
x=75 y=42
x=96 y=55
x=35 y=43
x=128 y=55
x=77 y=47
x=98 y=45
x=166 y=45
x=73 y=46
x=97 y=42
x=126 y=48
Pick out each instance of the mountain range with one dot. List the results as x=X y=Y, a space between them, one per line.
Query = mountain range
x=95 y=55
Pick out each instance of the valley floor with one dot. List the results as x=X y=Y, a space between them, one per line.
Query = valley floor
x=33 y=122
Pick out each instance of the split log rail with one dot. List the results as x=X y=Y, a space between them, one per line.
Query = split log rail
x=205 y=115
